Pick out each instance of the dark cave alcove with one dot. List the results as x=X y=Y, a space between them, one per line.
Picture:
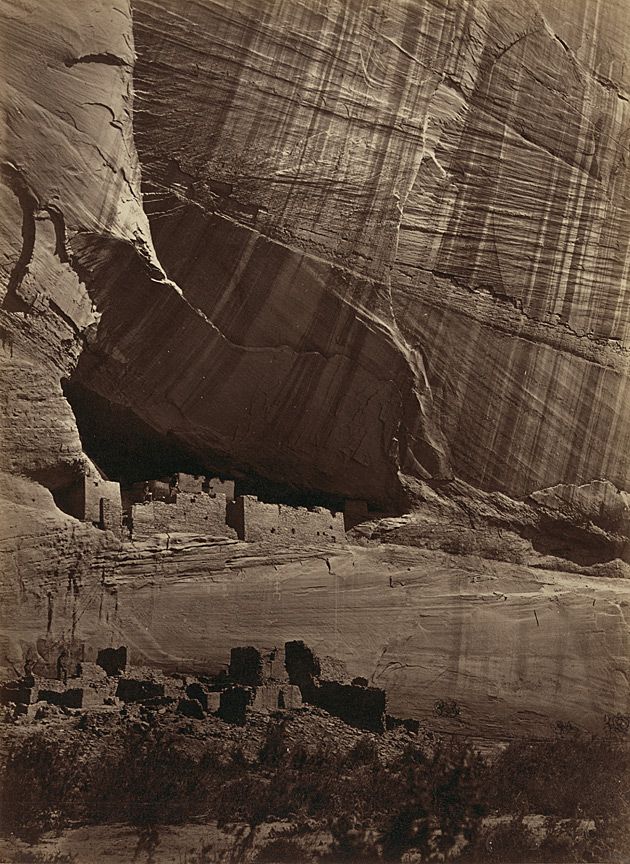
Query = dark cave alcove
x=120 y=443
x=127 y=449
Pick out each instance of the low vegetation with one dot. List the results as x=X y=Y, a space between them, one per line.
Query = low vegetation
x=444 y=802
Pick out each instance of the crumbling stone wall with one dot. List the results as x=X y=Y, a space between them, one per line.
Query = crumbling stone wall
x=234 y=702
x=191 y=513
x=166 y=488
x=139 y=689
x=251 y=667
x=22 y=691
x=162 y=490
x=135 y=493
x=246 y=666
x=93 y=499
x=192 y=483
x=359 y=706
x=89 y=689
x=238 y=700
x=303 y=666
x=354 y=703
x=215 y=486
x=274 y=666
x=274 y=697
x=258 y=522
x=113 y=661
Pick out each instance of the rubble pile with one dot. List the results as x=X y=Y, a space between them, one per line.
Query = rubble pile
x=255 y=681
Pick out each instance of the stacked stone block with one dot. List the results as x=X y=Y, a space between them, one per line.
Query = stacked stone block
x=257 y=522
x=192 y=513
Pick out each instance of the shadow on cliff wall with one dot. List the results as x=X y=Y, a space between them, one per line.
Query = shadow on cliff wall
x=127 y=450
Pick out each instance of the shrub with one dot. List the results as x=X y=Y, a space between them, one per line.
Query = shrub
x=564 y=777
x=364 y=752
x=282 y=850
x=44 y=781
x=440 y=805
x=431 y=804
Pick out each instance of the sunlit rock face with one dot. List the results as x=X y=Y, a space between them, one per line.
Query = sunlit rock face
x=68 y=167
x=373 y=239
x=437 y=192
x=469 y=646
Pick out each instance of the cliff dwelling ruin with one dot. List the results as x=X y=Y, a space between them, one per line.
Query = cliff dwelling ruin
x=200 y=504
x=315 y=384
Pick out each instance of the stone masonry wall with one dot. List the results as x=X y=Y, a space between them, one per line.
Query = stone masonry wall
x=256 y=521
x=197 y=514
x=96 y=488
x=91 y=498
x=316 y=525
x=261 y=521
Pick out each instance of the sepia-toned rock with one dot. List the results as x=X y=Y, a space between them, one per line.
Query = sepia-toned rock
x=341 y=256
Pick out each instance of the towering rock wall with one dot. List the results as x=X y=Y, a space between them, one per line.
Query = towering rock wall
x=452 y=178
x=68 y=168
x=373 y=241
x=381 y=238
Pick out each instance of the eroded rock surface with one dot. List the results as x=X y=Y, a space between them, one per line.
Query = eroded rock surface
x=379 y=239
x=374 y=245
x=507 y=648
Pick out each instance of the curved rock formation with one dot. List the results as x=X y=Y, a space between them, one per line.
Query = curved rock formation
x=348 y=248
x=380 y=240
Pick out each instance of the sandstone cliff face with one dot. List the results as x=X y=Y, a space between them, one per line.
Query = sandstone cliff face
x=389 y=238
x=438 y=193
x=347 y=247
x=68 y=168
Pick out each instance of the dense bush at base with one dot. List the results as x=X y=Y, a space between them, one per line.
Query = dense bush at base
x=436 y=804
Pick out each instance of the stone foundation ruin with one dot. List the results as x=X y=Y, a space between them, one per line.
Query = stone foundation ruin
x=282 y=679
x=258 y=682
x=318 y=680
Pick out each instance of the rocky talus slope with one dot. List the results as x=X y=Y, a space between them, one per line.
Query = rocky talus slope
x=361 y=250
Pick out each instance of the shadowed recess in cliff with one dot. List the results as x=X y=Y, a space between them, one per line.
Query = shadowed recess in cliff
x=123 y=445
x=127 y=449
x=328 y=418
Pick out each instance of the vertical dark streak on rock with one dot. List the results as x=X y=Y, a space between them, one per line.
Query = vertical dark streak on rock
x=58 y=221
x=50 y=612
x=13 y=302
